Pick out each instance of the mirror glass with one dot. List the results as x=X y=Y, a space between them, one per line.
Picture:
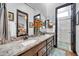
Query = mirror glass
x=22 y=23
x=36 y=17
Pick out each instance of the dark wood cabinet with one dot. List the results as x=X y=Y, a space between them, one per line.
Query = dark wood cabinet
x=42 y=49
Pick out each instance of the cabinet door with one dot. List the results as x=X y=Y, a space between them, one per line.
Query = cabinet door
x=50 y=39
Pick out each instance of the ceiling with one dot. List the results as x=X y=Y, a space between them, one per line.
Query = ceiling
x=47 y=9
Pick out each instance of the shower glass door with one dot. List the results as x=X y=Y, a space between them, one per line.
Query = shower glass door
x=66 y=27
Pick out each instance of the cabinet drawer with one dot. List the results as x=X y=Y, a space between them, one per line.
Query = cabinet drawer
x=42 y=51
x=49 y=45
x=50 y=39
x=52 y=43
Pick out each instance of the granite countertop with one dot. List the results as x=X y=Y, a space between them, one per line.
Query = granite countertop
x=15 y=48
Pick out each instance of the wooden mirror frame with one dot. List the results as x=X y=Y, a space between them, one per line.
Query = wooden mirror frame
x=18 y=11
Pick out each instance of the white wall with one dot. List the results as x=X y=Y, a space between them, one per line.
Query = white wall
x=77 y=32
x=12 y=7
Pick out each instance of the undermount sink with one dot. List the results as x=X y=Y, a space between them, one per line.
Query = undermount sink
x=47 y=34
x=28 y=42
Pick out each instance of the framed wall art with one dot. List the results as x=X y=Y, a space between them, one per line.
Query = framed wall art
x=10 y=16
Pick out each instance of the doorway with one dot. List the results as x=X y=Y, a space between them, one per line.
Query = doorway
x=65 y=31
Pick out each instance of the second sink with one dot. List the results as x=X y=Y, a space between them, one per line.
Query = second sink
x=27 y=42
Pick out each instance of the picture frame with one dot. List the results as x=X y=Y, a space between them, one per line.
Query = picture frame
x=10 y=16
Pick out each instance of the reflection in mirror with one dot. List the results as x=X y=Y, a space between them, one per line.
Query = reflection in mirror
x=48 y=24
x=22 y=23
x=36 y=17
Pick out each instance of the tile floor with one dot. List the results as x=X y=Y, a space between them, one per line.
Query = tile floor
x=61 y=52
x=57 y=52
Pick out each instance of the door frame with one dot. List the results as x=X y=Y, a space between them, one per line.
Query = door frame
x=73 y=25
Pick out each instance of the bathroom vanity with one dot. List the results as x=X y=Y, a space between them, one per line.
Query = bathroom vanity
x=43 y=48
x=33 y=46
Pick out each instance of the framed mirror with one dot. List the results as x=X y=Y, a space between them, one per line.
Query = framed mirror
x=48 y=24
x=35 y=18
x=22 y=23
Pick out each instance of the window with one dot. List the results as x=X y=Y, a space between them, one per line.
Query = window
x=64 y=14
